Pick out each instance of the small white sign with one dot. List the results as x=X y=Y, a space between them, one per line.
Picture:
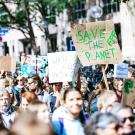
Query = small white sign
x=121 y=70
x=63 y=66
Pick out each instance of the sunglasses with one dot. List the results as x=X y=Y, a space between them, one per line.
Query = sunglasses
x=131 y=118
x=20 y=80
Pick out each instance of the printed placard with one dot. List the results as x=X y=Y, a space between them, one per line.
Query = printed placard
x=63 y=66
x=121 y=70
x=96 y=43
x=32 y=64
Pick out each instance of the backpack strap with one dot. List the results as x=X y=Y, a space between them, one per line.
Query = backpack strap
x=61 y=125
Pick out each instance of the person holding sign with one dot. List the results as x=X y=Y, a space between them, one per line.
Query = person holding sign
x=118 y=86
x=71 y=119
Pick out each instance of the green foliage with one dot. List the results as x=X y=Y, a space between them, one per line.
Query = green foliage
x=21 y=18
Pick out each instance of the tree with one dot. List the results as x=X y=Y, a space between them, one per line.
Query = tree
x=26 y=13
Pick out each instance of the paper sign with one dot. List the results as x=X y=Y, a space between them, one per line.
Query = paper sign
x=121 y=70
x=8 y=63
x=96 y=43
x=63 y=66
x=32 y=64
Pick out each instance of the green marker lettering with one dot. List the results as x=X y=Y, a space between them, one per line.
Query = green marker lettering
x=94 y=34
x=102 y=54
x=107 y=54
x=97 y=55
x=112 y=38
x=87 y=54
x=80 y=35
x=101 y=34
x=112 y=51
x=86 y=35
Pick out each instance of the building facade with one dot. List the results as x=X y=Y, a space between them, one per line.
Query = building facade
x=14 y=42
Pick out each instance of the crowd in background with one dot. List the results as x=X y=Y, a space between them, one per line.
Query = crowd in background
x=33 y=106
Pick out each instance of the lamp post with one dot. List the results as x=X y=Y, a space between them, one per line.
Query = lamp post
x=96 y=11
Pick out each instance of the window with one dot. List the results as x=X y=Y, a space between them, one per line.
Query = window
x=79 y=10
x=111 y=6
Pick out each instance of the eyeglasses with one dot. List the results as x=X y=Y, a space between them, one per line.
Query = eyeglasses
x=131 y=118
x=30 y=82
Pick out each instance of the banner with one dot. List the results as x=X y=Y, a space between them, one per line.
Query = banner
x=121 y=71
x=96 y=43
x=32 y=64
x=8 y=63
x=63 y=66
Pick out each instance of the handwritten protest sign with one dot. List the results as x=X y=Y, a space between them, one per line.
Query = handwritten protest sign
x=32 y=64
x=129 y=92
x=8 y=63
x=63 y=66
x=121 y=70
x=96 y=43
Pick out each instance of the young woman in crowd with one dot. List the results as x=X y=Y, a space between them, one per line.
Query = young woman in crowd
x=69 y=120
x=27 y=98
x=118 y=86
x=18 y=89
x=85 y=95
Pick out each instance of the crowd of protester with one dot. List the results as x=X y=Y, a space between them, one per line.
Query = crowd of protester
x=32 y=106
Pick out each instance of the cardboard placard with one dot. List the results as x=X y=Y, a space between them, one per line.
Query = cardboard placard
x=8 y=63
x=129 y=93
x=121 y=71
x=32 y=64
x=63 y=66
x=96 y=43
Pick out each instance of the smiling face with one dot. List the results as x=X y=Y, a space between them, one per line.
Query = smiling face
x=120 y=86
x=73 y=103
x=32 y=85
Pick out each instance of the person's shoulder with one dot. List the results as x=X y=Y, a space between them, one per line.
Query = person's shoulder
x=133 y=132
x=59 y=112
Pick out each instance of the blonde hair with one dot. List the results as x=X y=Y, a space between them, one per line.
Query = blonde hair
x=116 y=82
x=104 y=97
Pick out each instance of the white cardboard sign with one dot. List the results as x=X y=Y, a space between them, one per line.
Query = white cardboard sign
x=63 y=66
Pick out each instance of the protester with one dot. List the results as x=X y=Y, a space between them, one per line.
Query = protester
x=27 y=123
x=41 y=110
x=125 y=113
x=85 y=95
x=103 y=124
x=27 y=98
x=18 y=89
x=69 y=120
x=35 y=85
x=4 y=84
x=106 y=99
x=6 y=109
x=92 y=103
x=56 y=96
x=118 y=86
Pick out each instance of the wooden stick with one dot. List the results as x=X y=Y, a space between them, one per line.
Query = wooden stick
x=104 y=76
